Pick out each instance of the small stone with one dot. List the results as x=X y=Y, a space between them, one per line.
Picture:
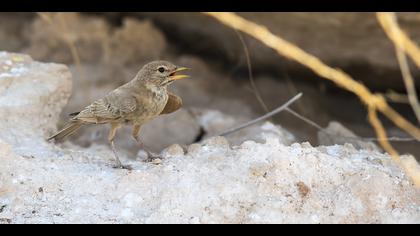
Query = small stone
x=303 y=189
x=18 y=59
x=156 y=161
x=194 y=220
x=306 y=145
x=5 y=221
x=173 y=150
x=336 y=133
x=193 y=148
x=218 y=141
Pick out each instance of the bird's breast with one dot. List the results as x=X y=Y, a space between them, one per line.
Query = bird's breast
x=151 y=104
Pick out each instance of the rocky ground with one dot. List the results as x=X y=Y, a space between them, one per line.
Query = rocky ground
x=267 y=173
x=269 y=180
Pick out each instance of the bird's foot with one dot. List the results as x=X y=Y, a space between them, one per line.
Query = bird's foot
x=118 y=164
x=153 y=157
x=121 y=166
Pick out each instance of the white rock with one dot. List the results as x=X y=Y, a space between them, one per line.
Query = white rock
x=32 y=95
x=214 y=123
x=336 y=133
x=252 y=183
x=213 y=182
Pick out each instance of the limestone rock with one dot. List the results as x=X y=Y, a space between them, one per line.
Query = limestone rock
x=251 y=183
x=32 y=95
x=209 y=182
x=336 y=133
x=59 y=36
x=214 y=123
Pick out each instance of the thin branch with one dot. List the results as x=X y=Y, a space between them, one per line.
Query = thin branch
x=70 y=43
x=255 y=89
x=293 y=89
x=293 y=52
x=261 y=118
x=323 y=130
x=403 y=44
x=63 y=28
x=381 y=133
x=399 y=37
x=61 y=33
x=374 y=102
x=395 y=97
x=305 y=119
x=257 y=94
x=409 y=82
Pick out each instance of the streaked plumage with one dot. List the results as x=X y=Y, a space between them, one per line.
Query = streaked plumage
x=134 y=103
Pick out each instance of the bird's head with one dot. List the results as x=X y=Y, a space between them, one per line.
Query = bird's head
x=161 y=73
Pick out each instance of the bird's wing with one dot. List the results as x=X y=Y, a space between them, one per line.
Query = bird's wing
x=173 y=104
x=107 y=109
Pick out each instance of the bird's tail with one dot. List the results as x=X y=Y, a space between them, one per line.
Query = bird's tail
x=68 y=130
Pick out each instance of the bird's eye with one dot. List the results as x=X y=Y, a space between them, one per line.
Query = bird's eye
x=161 y=69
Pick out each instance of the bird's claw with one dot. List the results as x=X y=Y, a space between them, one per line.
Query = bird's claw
x=121 y=166
x=152 y=157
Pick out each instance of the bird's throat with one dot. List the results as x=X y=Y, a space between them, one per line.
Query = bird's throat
x=155 y=88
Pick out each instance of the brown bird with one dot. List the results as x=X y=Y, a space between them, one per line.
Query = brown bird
x=134 y=103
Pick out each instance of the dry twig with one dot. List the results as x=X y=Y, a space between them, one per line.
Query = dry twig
x=254 y=87
x=409 y=82
x=342 y=79
x=374 y=102
x=62 y=33
x=63 y=28
x=389 y=23
x=395 y=97
x=399 y=37
x=261 y=118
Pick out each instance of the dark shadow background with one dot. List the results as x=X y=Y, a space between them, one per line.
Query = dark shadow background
x=105 y=50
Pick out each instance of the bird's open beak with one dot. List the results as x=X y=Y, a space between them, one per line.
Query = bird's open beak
x=173 y=76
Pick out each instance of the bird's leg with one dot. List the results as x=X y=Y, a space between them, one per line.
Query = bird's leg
x=117 y=159
x=150 y=155
x=111 y=136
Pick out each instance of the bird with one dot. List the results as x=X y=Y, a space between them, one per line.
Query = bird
x=135 y=103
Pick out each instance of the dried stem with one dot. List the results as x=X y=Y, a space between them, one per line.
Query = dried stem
x=254 y=87
x=323 y=130
x=374 y=102
x=390 y=25
x=63 y=35
x=293 y=52
x=261 y=118
x=395 y=97
x=399 y=38
x=381 y=134
x=409 y=82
